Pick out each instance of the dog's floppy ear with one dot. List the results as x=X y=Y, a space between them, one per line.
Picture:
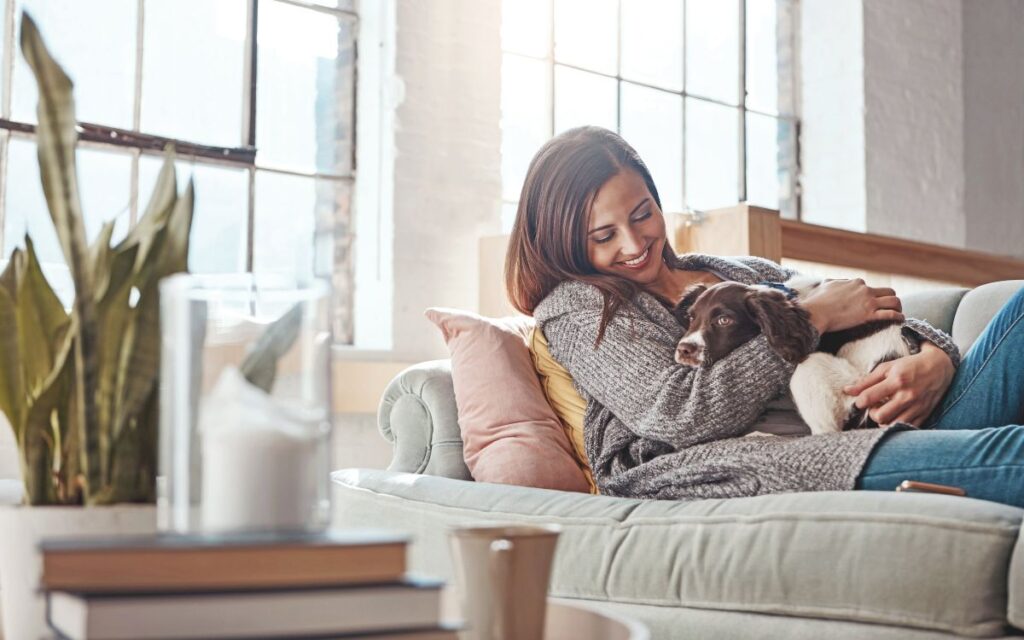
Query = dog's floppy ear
x=682 y=309
x=786 y=324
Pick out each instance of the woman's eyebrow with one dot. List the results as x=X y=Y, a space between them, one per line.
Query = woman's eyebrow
x=606 y=226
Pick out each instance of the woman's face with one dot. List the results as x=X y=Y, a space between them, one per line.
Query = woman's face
x=626 y=232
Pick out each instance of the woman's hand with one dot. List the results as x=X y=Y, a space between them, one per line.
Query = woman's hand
x=907 y=389
x=835 y=305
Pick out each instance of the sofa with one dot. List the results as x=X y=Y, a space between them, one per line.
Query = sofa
x=836 y=565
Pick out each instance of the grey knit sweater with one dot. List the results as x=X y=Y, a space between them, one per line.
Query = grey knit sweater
x=657 y=429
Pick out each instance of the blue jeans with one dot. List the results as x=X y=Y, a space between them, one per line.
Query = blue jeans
x=975 y=437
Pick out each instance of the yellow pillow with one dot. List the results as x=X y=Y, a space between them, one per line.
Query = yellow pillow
x=562 y=396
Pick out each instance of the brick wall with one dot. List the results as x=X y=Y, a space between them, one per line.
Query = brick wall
x=447 y=174
x=913 y=119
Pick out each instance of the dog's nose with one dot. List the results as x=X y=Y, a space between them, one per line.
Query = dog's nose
x=688 y=353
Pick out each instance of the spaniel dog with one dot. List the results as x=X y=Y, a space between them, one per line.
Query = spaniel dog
x=722 y=317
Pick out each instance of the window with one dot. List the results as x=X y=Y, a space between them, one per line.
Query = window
x=258 y=97
x=701 y=88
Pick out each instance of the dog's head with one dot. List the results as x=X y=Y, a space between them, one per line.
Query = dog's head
x=720 y=318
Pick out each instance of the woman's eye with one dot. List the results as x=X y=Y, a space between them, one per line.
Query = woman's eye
x=723 y=321
x=604 y=239
x=642 y=217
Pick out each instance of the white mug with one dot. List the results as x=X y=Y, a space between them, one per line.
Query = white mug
x=502 y=576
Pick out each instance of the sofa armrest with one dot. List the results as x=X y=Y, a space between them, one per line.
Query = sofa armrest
x=417 y=414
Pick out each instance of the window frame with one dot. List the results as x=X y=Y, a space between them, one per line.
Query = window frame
x=243 y=156
x=789 y=203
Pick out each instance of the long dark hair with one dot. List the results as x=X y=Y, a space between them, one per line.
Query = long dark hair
x=548 y=244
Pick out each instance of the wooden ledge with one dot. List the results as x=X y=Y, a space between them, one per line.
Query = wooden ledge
x=815 y=243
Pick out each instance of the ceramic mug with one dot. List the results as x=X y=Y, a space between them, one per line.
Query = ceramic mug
x=502 y=575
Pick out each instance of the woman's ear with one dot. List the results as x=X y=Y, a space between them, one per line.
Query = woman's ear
x=681 y=311
x=785 y=324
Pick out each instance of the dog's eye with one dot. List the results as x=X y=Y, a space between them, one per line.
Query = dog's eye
x=723 y=321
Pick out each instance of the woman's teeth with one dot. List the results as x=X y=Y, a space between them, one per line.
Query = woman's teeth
x=638 y=260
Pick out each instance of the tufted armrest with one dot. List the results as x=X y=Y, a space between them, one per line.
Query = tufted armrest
x=417 y=414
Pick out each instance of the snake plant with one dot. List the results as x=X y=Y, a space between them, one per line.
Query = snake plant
x=79 y=388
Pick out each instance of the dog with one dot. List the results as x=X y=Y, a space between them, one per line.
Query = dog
x=720 y=318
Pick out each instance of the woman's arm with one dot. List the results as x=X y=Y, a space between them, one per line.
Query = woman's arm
x=632 y=373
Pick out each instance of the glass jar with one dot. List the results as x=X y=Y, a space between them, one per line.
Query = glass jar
x=244 y=405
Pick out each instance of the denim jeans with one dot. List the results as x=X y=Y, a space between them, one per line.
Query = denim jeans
x=975 y=439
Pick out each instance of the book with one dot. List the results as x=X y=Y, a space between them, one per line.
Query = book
x=355 y=611
x=166 y=562
x=439 y=633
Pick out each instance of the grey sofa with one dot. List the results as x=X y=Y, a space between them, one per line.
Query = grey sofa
x=800 y=565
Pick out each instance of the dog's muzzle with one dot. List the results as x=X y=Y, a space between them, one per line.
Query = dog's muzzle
x=690 y=353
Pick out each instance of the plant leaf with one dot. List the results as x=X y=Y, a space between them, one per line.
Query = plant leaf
x=161 y=203
x=56 y=138
x=9 y=277
x=260 y=364
x=41 y=320
x=12 y=389
x=41 y=422
x=100 y=256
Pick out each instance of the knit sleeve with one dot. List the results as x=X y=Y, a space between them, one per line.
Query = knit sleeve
x=939 y=338
x=633 y=374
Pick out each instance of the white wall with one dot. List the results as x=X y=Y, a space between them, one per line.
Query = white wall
x=928 y=143
x=913 y=119
x=447 y=172
x=994 y=124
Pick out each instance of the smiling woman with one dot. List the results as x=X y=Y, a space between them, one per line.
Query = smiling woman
x=589 y=259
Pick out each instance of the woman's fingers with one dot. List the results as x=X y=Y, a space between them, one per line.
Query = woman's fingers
x=882 y=392
x=889 y=302
x=897 y=404
x=880 y=292
x=887 y=314
x=867 y=381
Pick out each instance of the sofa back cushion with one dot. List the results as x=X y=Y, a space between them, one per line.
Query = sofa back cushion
x=510 y=434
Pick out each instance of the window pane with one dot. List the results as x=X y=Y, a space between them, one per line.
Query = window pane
x=586 y=34
x=652 y=122
x=762 y=160
x=583 y=98
x=524 y=118
x=762 y=56
x=293 y=224
x=102 y=67
x=219 y=221
x=525 y=27
x=652 y=42
x=712 y=49
x=305 y=89
x=193 y=70
x=104 y=181
x=712 y=144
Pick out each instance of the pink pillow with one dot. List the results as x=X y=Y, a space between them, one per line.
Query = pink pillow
x=510 y=434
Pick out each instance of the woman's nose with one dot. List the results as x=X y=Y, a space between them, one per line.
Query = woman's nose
x=632 y=245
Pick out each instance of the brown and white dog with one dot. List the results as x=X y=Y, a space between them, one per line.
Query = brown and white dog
x=720 y=318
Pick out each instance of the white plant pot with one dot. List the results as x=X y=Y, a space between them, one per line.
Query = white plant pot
x=21 y=529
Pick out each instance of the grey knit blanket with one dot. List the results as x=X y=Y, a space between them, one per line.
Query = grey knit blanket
x=657 y=429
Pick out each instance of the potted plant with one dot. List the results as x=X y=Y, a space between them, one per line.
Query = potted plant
x=79 y=389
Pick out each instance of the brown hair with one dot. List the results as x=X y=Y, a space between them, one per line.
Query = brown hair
x=548 y=244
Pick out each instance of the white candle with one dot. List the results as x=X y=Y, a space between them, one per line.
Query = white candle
x=259 y=464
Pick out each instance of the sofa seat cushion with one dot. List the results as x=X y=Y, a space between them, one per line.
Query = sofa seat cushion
x=916 y=560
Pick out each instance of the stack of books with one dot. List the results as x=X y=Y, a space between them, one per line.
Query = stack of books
x=337 y=585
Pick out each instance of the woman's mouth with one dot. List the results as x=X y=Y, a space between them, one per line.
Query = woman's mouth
x=638 y=262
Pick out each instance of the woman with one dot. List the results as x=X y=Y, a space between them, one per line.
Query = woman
x=589 y=259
